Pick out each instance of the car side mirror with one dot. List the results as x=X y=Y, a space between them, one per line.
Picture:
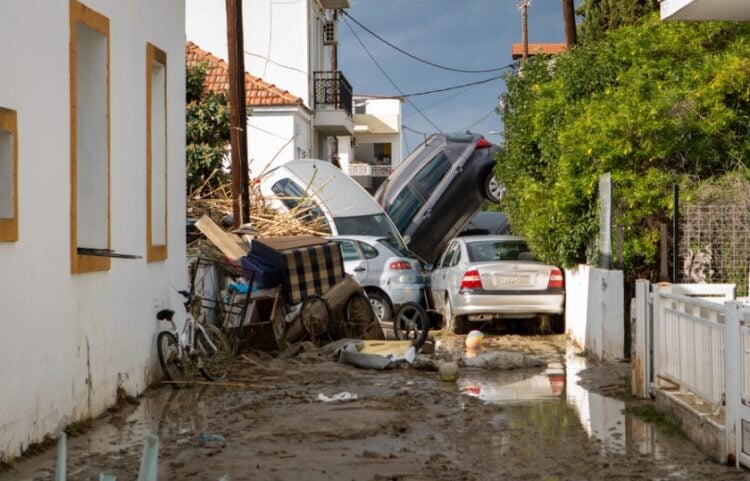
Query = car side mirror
x=429 y=267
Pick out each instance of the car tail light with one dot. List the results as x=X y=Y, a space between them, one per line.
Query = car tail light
x=555 y=279
x=399 y=266
x=471 y=280
x=483 y=144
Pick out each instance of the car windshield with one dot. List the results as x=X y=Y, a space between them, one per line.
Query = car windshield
x=294 y=198
x=403 y=209
x=397 y=248
x=510 y=250
x=370 y=225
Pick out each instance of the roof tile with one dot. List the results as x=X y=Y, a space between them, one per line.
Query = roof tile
x=258 y=93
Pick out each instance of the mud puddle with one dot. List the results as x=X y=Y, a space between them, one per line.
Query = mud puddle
x=405 y=424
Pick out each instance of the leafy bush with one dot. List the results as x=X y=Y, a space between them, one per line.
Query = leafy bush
x=654 y=103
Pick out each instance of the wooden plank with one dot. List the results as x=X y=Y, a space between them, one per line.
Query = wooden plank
x=229 y=244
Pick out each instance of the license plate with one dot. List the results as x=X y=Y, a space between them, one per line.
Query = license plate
x=513 y=281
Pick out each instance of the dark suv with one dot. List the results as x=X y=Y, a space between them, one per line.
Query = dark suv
x=438 y=189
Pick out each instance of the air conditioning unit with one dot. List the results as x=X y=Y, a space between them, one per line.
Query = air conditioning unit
x=330 y=32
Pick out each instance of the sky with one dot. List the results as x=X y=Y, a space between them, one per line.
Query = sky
x=462 y=34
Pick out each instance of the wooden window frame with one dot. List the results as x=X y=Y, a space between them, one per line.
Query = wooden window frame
x=155 y=252
x=9 y=227
x=80 y=13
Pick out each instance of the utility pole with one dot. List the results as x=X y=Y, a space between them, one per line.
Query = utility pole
x=237 y=114
x=334 y=69
x=523 y=5
x=569 y=17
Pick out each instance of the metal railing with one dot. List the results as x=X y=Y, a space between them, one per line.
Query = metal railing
x=332 y=90
x=370 y=170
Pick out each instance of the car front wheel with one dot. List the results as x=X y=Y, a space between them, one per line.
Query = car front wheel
x=493 y=189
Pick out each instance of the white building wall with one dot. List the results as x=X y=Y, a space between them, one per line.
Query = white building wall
x=279 y=45
x=276 y=136
x=70 y=340
x=594 y=310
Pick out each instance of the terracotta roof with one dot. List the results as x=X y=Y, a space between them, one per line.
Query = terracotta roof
x=538 y=48
x=258 y=93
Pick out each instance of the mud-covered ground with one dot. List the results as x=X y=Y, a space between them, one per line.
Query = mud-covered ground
x=561 y=421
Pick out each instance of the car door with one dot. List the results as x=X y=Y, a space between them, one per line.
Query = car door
x=439 y=275
x=374 y=264
x=354 y=263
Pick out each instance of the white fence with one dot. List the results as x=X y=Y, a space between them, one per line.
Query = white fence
x=696 y=338
x=370 y=170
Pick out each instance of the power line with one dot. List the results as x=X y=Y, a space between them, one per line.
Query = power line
x=445 y=89
x=388 y=76
x=433 y=64
x=494 y=109
x=443 y=100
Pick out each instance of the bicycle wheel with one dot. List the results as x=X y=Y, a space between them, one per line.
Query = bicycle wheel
x=214 y=361
x=411 y=323
x=360 y=317
x=315 y=315
x=170 y=360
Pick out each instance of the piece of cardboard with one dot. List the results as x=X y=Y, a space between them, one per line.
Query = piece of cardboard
x=229 y=244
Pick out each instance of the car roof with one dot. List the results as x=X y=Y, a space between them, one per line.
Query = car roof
x=342 y=195
x=362 y=238
x=492 y=238
x=413 y=163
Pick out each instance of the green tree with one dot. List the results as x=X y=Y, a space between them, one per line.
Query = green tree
x=654 y=103
x=207 y=115
x=600 y=16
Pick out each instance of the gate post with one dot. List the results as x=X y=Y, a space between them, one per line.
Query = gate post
x=732 y=379
x=641 y=378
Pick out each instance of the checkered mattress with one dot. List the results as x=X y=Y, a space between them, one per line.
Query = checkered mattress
x=310 y=270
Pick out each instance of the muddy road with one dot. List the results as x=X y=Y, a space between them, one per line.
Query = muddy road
x=561 y=421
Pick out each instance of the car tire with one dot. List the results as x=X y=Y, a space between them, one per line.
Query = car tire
x=452 y=324
x=381 y=305
x=492 y=189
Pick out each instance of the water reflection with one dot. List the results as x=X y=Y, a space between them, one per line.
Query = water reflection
x=558 y=389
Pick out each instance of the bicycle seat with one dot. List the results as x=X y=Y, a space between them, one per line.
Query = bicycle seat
x=165 y=314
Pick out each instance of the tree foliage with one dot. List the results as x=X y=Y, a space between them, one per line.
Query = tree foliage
x=600 y=16
x=207 y=115
x=654 y=103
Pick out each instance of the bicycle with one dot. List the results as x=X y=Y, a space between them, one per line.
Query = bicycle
x=199 y=346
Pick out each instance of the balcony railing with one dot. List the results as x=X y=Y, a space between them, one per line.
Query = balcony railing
x=333 y=90
x=370 y=170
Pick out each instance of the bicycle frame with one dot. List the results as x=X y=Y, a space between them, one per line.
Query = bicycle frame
x=186 y=338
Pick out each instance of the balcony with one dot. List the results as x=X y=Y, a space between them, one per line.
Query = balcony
x=333 y=104
x=369 y=176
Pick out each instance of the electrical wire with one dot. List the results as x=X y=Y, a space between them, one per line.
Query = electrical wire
x=388 y=76
x=494 y=109
x=433 y=64
x=443 y=100
x=445 y=89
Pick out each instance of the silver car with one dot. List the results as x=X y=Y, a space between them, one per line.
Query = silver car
x=390 y=277
x=488 y=277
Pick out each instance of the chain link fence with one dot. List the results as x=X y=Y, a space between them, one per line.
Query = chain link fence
x=715 y=244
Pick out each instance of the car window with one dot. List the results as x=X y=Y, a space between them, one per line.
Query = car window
x=448 y=256
x=348 y=250
x=498 y=251
x=293 y=196
x=456 y=256
x=367 y=250
x=372 y=225
x=404 y=208
x=432 y=173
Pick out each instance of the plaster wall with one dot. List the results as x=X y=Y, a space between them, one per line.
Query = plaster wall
x=282 y=40
x=275 y=137
x=594 y=310
x=69 y=341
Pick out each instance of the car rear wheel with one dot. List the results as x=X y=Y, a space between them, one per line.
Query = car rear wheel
x=493 y=189
x=381 y=306
x=453 y=324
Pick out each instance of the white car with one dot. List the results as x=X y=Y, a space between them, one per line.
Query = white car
x=343 y=205
x=488 y=277
x=389 y=275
